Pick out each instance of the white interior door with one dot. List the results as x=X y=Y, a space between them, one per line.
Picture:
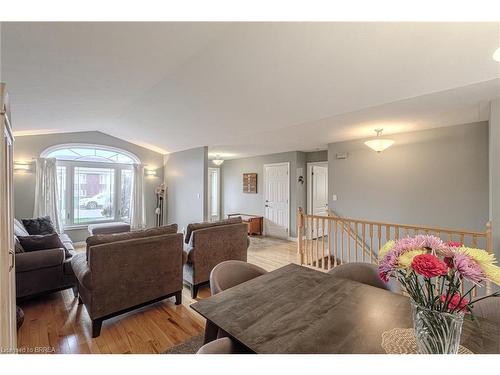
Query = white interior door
x=317 y=193
x=276 y=200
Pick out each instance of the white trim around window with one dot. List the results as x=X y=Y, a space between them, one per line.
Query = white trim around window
x=93 y=188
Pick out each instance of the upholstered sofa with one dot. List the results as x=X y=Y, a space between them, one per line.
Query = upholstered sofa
x=125 y=271
x=208 y=244
x=43 y=271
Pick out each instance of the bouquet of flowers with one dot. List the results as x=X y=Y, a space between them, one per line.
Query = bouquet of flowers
x=441 y=279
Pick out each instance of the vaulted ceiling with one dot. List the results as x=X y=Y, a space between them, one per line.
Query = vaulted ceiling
x=247 y=88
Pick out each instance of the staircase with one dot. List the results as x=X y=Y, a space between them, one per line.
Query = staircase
x=325 y=242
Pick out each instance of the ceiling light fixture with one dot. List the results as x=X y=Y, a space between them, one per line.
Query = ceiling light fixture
x=496 y=55
x=379 y=144
x=217 y=161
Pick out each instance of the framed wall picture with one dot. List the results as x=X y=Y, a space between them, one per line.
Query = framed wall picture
x=250 y=183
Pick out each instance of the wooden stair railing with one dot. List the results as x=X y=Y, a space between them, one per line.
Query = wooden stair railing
x=354 y=235
x=324 y=242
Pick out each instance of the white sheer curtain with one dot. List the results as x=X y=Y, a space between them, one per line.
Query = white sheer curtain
x=137 y=213
x=46 y=199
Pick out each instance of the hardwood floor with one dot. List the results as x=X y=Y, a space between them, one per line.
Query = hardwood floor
x=57 y=323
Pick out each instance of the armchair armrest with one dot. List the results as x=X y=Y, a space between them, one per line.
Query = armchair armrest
x=34 y=260
x=81 y=270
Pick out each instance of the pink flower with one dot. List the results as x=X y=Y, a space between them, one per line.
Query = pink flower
x=467 y=268
x=454 y=301
x=454 y=244
x=428 y=265
x=387 y=265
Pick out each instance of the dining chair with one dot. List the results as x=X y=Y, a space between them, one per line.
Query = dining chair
x=365 y=273
x=220 y=346
x=230 y=273
x=225 y=275
x=488 y=308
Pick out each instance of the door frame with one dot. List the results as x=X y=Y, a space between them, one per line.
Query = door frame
x=309 y=199
x=287 y=163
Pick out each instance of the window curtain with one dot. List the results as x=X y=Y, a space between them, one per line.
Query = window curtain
x=46 y=195
x=137 y=213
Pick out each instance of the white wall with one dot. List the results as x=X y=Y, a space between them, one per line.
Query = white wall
x=186 y=181
x=435 y=177
x=494 y=143
x=28 y=147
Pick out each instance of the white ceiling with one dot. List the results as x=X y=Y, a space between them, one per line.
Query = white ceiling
x=247 y=88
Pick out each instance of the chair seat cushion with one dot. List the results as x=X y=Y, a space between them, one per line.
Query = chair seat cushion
x=35 y=260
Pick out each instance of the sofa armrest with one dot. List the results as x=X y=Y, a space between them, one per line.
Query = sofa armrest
x=34 y=260
x=81 y=270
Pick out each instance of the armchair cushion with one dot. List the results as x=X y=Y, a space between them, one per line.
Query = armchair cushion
x=40 y=242
x=39 y=225
x=39 y=259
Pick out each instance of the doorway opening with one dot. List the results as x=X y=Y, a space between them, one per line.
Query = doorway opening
x=317 y=192
x=213 y=194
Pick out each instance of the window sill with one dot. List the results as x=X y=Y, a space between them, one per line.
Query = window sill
x=85 y=226
x=76 y=227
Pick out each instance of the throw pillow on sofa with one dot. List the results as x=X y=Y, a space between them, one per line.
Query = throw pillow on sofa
x=42 y=242
x=39 y=225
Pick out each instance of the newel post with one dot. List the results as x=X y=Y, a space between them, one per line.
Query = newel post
x=300 y=235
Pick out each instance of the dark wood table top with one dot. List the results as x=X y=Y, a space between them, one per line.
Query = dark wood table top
x=295 y=309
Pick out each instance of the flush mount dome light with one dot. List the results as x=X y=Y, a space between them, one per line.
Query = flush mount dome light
x=496 y=55
x=217 y=161
x=379 y=144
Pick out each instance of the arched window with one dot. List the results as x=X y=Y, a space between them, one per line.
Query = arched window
x=90 y=153
x=94 y=182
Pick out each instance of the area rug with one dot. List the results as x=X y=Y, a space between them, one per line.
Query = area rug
x=190 y=346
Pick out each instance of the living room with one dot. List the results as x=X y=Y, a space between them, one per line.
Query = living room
x=250 y=187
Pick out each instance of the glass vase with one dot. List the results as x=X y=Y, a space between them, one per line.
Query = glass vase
x=436 y=332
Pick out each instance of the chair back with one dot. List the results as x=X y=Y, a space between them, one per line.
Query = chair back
x=130 y=272
x=365 y=273
x=230 y=273
x=488 y=308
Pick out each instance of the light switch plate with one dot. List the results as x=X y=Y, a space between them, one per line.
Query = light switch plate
x=334 y=197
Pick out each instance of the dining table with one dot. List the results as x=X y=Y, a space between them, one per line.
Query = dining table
x=299 y=310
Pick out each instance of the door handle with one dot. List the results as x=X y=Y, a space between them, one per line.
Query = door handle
x=12 y=259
